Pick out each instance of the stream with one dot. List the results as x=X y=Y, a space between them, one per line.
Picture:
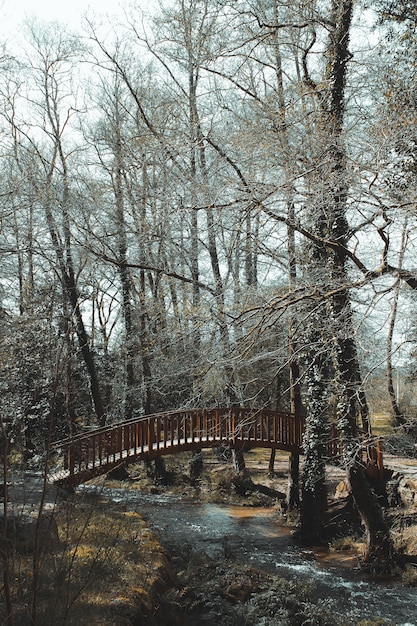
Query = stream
x=255 y=537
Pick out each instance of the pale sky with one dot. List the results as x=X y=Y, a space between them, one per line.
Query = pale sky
x=14 y=12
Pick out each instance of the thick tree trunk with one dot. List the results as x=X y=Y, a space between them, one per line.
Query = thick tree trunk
x=314 y=490
x=293 y=492
x=380 y=556
x=296 y=408
x=380 y=553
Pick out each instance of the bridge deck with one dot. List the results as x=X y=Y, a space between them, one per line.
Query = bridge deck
x=99 y=451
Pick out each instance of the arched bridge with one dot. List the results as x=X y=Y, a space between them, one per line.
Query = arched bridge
x=99 y=451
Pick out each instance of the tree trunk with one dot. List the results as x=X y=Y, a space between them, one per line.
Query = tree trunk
x=314 y=490
x=124 y=271
x=196 y=467
x=380 y=557
x=294 y=371
x=293 y=491
x=332 y=223
x=397 y=416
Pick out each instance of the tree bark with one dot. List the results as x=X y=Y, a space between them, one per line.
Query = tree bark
x=380 y=557
x=331 y=223
x=124 y=271
x=313 y=484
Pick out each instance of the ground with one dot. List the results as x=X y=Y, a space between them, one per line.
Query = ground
x=102 y=566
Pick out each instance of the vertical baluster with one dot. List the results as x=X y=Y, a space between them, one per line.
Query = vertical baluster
x=198 y=426
x=222 y=418
x=206 y=425
x=93 y=451
x=300 y=422
x=126 y=440
x=87 y=456
x=100 y=449
x=141 y=436
x=120 y=446
x=71 y=454
x=158 y=432
x=172 y=425
x=107 y=436
x=150 y=434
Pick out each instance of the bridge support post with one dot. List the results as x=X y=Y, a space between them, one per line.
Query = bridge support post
x=196 y=467
x=271 y=469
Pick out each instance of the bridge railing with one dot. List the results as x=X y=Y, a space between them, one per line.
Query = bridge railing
x=154 y=433
x=149 y=436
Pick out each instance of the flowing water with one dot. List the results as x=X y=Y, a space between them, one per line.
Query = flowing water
x=255 y=537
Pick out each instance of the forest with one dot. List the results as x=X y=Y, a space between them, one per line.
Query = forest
x=212 y=203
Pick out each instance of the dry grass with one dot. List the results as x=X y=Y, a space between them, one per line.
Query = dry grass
x=106 y=570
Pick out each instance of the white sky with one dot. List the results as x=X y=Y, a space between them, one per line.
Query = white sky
x=14 y=12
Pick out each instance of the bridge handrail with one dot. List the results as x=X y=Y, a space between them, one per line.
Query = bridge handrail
x=91 y=453
x=223 y=411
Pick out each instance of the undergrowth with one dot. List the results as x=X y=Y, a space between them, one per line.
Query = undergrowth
x=106 y=570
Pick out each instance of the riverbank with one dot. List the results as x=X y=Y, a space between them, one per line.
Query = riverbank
x=109 y=569
x=225 y=592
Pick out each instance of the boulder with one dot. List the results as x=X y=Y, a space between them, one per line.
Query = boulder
x=407 y=490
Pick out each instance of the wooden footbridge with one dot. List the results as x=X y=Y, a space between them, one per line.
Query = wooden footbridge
x=101 y=450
